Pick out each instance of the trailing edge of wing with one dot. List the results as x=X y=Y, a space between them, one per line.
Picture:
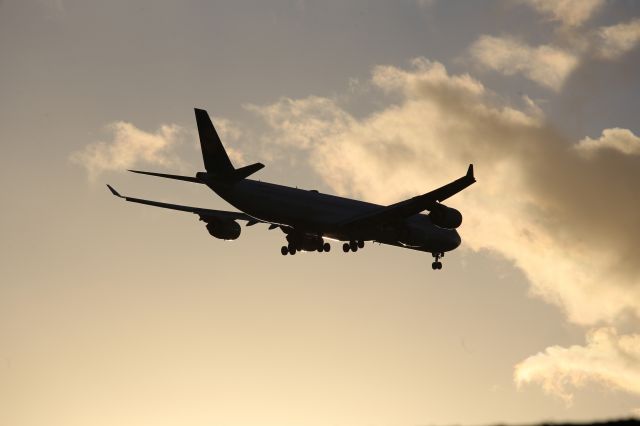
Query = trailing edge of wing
x=203 y=213
x=168 y=176
x=414 y=205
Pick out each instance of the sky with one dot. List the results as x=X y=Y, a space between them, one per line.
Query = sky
x=114 y=313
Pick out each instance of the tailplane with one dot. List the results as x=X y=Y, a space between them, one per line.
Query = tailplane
x=216 y=160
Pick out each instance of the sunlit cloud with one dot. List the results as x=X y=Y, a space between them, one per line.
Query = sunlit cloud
x=229 y=132
x=570 y=13
x=127 y=147
x=227 y=129
x=303 y=121
x=548 y=66
x=622 y=140
x=608 y=358
x=614 y=41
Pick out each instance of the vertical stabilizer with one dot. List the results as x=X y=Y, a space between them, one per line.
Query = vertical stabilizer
x=216 y=160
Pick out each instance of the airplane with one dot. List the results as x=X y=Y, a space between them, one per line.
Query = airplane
x=309 y=218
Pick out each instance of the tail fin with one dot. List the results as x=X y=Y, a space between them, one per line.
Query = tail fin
x=216 y=160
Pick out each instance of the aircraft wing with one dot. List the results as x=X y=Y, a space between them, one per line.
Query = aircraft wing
x=412 y=206
x=203 y=213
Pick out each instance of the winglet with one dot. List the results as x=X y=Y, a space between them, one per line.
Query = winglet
x=114 y=192
x=470 y=172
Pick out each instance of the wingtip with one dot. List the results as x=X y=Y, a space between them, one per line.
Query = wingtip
x=470 y=171
x=113 y=191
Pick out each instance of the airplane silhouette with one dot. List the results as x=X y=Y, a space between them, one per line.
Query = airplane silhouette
x=307 y=217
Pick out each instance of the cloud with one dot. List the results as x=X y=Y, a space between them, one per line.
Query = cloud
x=303 y=121
x=607 y=358
x=546 y=65
x=571 y=13
x=550 y=65
x=614 y=41
x=567 y=220
x=621 y=140
x=129 y=147
x=227 y=129
x=229 y=132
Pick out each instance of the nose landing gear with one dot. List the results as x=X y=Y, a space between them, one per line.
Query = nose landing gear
x=436 y=265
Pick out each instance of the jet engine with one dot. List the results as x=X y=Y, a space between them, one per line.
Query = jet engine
x=224 y=229
x=445 y=217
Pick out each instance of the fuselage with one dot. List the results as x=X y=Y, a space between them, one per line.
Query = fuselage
x=318 y=213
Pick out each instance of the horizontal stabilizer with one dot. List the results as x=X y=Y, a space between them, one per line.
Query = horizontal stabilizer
x=168 y=176
x=243 y=172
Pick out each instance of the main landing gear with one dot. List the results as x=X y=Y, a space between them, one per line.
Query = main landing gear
x=324 y=247
x=353 y=246
x=437 y=264
x=292 y=248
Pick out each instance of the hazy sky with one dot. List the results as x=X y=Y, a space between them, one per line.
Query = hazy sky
x=113 y=313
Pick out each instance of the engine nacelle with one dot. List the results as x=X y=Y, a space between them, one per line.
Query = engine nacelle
x=445 y=217
x=224 y=229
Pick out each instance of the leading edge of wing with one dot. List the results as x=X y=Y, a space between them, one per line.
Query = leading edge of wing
x=414 y=205
x=197 y=210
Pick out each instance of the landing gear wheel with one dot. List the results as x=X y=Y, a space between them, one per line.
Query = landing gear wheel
x=436 y=263
x=346 y=247
x=353 y=246
x=320 y=248
x=326 y=247
x=292 y=250
x=284 y=250
x=360 y=244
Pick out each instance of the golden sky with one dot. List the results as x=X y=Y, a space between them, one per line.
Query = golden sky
x=112 y=313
